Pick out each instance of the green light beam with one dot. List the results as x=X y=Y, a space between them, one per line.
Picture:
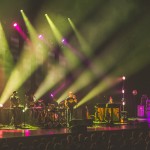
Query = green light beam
x=6 y=59
x=109 y=81
x=55 y=31
x=33 y=55
x=129 y=66
x=84 y=45
x=53 y=77
x=71 y=60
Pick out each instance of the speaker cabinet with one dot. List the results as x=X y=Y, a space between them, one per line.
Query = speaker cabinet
x=79 y=125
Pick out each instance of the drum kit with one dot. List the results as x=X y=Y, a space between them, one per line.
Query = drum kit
x=55 y=115
x=51 y=115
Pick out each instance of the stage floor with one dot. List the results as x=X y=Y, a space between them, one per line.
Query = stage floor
x=133 y=123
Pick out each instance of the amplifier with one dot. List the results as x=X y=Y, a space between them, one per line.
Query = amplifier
x=140 y=110
x=114 y=114
x=148 y=114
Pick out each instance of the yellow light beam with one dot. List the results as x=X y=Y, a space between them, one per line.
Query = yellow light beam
x=84 y=45
x=107 y=82
x=71 y=60
x=114 y=54
x=56 y=32
x=129 y=66
x=6 y=59
x=33 y=55
x=54 y=76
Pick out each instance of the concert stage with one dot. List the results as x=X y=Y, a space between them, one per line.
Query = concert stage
x=33 y=131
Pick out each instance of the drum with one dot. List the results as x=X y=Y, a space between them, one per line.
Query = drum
x=40 y=103
x=53 y=116
x=30 y=104
x=51 y=107
x=62 y=105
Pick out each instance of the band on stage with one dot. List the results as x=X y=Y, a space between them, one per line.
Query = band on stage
x=53 y=113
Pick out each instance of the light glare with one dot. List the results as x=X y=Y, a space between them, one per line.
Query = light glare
x=15 y=24
x=123 y=78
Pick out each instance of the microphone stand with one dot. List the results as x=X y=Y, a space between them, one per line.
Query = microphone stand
x=24 y=117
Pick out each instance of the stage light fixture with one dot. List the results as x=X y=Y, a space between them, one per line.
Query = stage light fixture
x=123 y=77
x=123 y=103
x=64 y=41
x=134 y=92
x=123 y=91
x=52 y=95
x=40 y=36
x=15 y=24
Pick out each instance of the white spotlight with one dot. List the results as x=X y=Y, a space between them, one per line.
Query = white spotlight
x=123 y=78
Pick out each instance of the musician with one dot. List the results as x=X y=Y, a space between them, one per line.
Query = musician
x=110 y=100
x=30 y=99
x=108 y=113
x=14 y=104
x=30 y=104
x=14 y=100
x=70 y=103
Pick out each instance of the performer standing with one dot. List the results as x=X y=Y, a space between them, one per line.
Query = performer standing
x=70 y=103
x=30 y=104
x=108 y=112
x=14 y=104
x=30 y=99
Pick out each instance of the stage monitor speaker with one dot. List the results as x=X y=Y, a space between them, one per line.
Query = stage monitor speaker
x=81 y=122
